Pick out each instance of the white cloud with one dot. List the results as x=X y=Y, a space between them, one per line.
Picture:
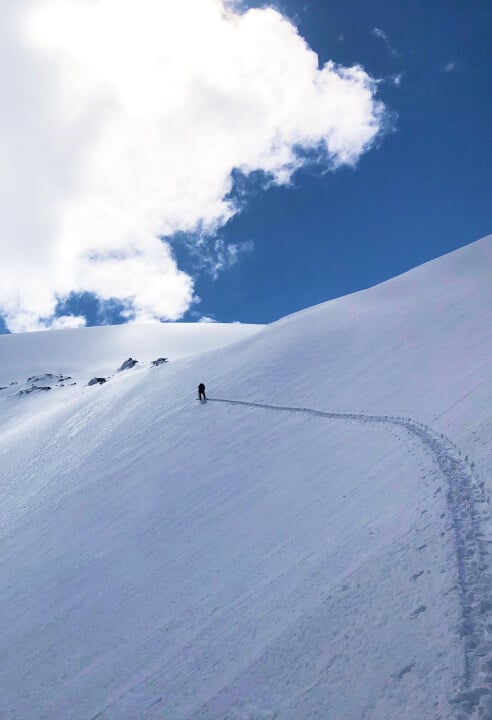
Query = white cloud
x=377 y=32
x=67 y=321
x=121 y=123
x=450 y=66
x=214 y=255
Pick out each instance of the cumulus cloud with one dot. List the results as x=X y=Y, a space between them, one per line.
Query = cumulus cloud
x=122 y=123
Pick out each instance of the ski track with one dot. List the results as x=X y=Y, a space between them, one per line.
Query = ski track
x=469 y=512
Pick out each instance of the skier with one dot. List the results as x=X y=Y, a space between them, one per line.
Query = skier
x=201 y=392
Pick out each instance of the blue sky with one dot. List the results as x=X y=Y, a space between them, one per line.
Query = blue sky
x=422 y=188
x=425 y=191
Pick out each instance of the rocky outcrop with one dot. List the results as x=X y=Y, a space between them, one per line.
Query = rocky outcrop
x=128 y=364
x=34 y=388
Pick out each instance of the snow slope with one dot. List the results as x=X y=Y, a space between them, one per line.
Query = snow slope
x=100 y=350
x=313 y=542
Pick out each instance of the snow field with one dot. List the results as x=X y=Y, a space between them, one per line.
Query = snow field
x=328 y=558
x=245 y=570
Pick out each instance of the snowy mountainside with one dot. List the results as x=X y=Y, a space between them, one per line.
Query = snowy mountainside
x=101 y=350
x=313 y=542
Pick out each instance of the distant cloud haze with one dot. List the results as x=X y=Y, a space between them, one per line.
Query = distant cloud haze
x=450 y=66
x=122 y=121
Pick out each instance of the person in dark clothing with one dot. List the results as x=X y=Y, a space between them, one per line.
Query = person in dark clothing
x=201 y=392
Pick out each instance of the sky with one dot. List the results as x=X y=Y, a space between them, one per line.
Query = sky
x=228 y=161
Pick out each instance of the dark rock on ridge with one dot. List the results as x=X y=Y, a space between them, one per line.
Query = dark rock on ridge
x=34 y=388
x=128 y=364
x=97 y=381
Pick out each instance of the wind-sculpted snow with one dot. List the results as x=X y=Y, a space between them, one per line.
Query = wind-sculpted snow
x=467 y=504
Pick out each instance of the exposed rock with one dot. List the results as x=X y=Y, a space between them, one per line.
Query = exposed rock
x=97 y=381
x=34 y=388
x=159 y=361
x=48 y=376
x=128 y=364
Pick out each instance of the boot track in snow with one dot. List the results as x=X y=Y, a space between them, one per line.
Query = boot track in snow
x=469 y=512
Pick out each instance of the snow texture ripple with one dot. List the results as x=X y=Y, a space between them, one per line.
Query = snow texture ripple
x=468 y=506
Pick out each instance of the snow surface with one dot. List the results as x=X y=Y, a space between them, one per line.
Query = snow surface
x=101 y=350
x=312 y=542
